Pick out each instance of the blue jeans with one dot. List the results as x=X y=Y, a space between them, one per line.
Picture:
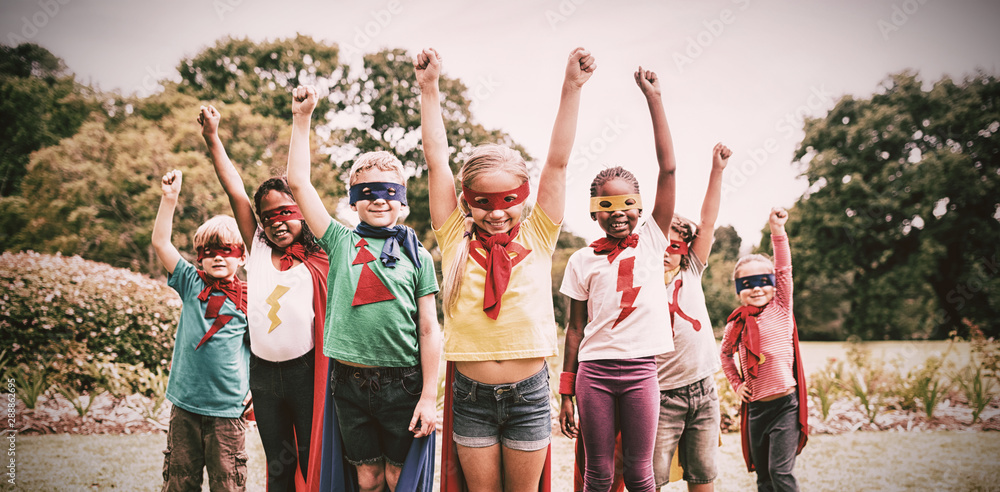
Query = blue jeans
x=689 y=423
x=516 y=415
x=774 y=438
x=374 y=408
x=283 y=403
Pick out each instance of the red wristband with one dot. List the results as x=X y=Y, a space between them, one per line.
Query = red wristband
x=567 y=383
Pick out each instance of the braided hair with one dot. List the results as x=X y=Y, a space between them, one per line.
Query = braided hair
x=611 y=173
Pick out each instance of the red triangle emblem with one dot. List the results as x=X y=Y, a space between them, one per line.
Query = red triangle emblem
x=363 y=256
x=370 y=288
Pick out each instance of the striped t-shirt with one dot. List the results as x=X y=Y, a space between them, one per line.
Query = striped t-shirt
x=776 y=374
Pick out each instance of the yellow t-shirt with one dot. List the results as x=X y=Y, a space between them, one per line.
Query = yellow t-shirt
x=526 y=326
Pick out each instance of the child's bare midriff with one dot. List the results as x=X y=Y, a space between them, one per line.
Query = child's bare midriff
x=500 y=371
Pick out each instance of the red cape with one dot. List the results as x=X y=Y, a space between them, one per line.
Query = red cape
x=318 y=265
x=452 y=479
x=580 y=466
x=800 y=388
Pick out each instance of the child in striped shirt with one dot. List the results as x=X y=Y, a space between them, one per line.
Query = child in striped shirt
x=770 y=380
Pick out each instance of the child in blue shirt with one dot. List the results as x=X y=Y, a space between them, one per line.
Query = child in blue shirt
x=209 y=380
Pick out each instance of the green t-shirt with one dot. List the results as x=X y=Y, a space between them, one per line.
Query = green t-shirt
x=213 y=379
x=383 y=333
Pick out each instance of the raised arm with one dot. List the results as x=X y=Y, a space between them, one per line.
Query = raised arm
x=228 y=176
x=303 y=103
x=552 y=182
x=663 y=207
x=164 y=225
x=702 y=244
x=440 y=180
x=782 y=258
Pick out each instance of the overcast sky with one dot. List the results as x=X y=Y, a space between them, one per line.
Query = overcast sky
x=743 y=72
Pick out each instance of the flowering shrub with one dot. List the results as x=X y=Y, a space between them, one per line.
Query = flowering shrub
x=62 y=312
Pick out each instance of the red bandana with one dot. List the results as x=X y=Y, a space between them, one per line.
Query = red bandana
x=614 y=246
x=498 y=200
x=744 y=330
x=225 y=251
x=235 y=290
x=677 y=247
x=280 y=214
x=498 y=267
x=294 y=251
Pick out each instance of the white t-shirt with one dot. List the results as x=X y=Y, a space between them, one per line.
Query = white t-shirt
x=287 y=332
x=642 y=332
x=695 y=356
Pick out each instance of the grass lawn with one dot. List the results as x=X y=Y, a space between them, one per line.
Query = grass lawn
x=880 y=461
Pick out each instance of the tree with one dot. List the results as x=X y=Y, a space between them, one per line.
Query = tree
x=262 y=75
x=717 y=281
x=40 y=103
x=897 y=235
x=96 y=194
x=91 y=194
x=373 y=107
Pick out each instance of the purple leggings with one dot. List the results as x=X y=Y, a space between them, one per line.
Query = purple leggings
x=630 y=386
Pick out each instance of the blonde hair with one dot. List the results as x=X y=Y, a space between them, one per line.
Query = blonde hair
x=485 y=160
x=755 y=258
x=688 y=231
x=217 y=232
x=380 y=160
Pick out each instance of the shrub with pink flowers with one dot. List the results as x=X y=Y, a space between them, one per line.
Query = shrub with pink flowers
x=59 y=313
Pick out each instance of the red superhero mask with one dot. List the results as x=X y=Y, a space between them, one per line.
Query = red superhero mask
x=496 y=201
x=225 y=251
x=280 y=214
x=677 y=248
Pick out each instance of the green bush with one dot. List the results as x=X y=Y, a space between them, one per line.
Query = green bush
x=61 y=313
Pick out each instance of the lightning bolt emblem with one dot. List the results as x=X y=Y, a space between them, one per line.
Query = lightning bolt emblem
x=629 y=293
x=272 y=300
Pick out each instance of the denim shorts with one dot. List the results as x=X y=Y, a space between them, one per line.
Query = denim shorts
x=374 y=407
x=689 y=423
x=516 y=415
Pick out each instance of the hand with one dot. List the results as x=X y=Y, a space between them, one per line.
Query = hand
x=720 y=156
x=648 y=82
x=744 y=393
x=209 y=118
x=304 y=100
x=580 y=67
x=248 y=406
x=171 y=184
x=567 y=418
x=428 y=67
x=424 y=414
x=778 y=217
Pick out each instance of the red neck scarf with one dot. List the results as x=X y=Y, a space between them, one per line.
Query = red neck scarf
x=294 y=251
x=498 y=267
x=744 y=330
x=235 y=290
x=613 y=246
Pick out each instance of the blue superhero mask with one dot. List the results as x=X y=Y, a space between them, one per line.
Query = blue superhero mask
x=751 y=281
x=373 y=191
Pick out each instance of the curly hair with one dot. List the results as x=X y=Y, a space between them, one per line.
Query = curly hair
x=280 y=184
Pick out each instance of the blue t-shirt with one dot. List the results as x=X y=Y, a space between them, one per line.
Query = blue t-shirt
x=383 y=333
x=214 y=379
